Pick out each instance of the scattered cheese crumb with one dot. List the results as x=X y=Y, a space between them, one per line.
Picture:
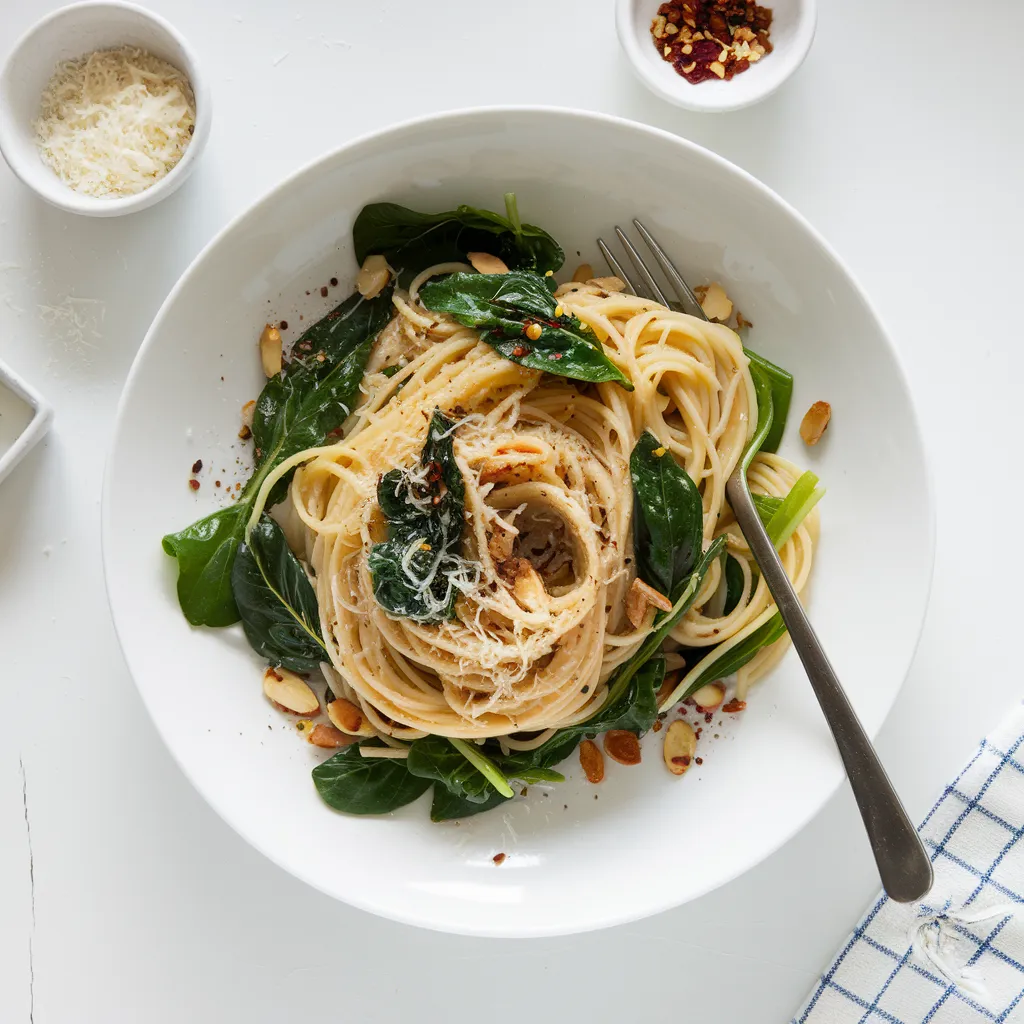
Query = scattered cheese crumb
x=115 y=122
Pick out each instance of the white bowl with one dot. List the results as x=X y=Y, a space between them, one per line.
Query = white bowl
x=793 y=24
x=74 y=32
x=644 y=840
x=25 y=417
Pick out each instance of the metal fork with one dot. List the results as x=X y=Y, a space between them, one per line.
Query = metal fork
x=903 y=864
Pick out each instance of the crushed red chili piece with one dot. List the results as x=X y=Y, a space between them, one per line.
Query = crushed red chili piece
x=705 y=39
x=520 y=350
x=323 y=291
x=498 y=858
x=194 y=484
x=284 y=325
x=334 y=282
x=734 y=705
x=197 y=465
x=698 y=760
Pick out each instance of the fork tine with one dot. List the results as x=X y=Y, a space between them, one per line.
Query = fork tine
x=682 y=289
x=616 y=266
x=653 y=289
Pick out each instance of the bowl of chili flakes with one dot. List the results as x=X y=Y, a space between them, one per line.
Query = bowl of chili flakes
x=715 y=55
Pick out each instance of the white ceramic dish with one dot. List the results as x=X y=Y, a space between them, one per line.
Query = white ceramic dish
x=793 y=26
x=581 y=857
x=73 y=32
x=24 y=418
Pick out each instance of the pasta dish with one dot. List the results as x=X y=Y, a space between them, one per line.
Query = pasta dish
x=488 y=519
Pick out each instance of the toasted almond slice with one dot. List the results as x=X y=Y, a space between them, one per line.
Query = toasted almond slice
x=248 y=411
x=716 y=304
x=735 y=705
x=373 y=276
x=288 y=692
x=329 y=737
x=584 y=272
x=349 y=718
x=592 y=761
x=680 y=747
x=485 y=263
x=709 y=696
x=815 y=420
x=527 y=586
x=642 y=596
x=270 y=350
x=622 y=745
x=668 y=685
x=609 y=284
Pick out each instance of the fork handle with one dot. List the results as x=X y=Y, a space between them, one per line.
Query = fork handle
x=903 y=864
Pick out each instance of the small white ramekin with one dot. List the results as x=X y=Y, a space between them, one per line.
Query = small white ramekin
x=793 y=24
x=74 y=32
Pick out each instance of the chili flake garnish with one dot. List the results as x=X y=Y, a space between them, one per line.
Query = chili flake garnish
x=704 y=39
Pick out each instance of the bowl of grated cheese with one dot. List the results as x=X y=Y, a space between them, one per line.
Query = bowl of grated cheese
x=103 y=108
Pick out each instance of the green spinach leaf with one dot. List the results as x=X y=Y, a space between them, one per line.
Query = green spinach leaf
x=668 y=517
x=276 y=601
x=297 y=409
x=419 y=571
x=738 y=656
x=366 y=785
x=439 y=759
x=446 y=806
x=412 y=241
x=780 y=382
x=733 y=584
x=504 y=307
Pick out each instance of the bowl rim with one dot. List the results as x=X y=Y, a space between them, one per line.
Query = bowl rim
x=715 y=101
x=72 y=202
x=354 y=899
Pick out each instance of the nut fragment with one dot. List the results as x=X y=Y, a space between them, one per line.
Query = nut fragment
x=248 y=411
x=669 y=683
x=526 y=584
x=348 y=718
x=609 y=284
x=584 y=272
x=622 y=745
x=734 y=705
x=373 y=276
x=592 y=761
x=709 y=696
x=642 y=596
x=270 y=350
x=485 y=263
x=680 y=747
x=815 y=420
x=290 y=693
x=715 y=303
x=329 y=737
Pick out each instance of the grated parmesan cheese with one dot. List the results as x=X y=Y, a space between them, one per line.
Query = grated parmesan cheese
x=115 y=122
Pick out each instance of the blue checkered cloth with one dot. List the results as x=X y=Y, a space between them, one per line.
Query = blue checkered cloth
x=957 y=956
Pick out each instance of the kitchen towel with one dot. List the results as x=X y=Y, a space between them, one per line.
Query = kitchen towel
x=956 y=956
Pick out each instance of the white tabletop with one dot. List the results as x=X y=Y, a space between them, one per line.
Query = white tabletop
x=123 y=898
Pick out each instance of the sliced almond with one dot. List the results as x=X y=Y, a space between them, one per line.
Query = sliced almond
x=584 y=272
x=680 y=747
x=709 y=696
x=642 y=596
x=592 y=761
x=815 y=420
x=288 y=692
x=526 y=584
x=328 y=737
x=715 y=303
x=485 y=263
x=349 y=718
x=609 y=284
x=668 y=685
x=248 y=411
x=622 y=745
x=373 y=276
x=270 y=350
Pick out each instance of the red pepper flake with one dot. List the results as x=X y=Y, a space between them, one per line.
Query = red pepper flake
x=498 y=858
x=707 y=39
x=194 y=484
x=197 y=465
x=334 y=282
x=284 y=325
x=245 y=433
x=698 y=760
x=734 y=705
x=683 y=759
x=323 y=292
x=520 y=350
x=216 y=483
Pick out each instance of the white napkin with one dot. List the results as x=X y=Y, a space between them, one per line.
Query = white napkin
x=957 y=956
